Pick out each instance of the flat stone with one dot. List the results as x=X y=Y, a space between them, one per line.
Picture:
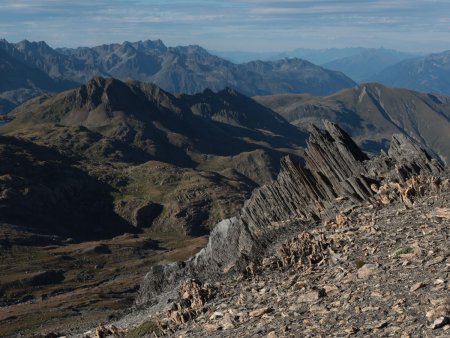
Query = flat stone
x=260 y=312
x=367 y=270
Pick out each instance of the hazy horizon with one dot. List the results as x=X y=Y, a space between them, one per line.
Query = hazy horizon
x=236 y=25
x=211 y=50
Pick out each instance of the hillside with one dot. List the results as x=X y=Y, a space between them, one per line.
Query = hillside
x=99 y=182
x=133 y=135
x=43 y=190
x=371 y=113
x=429 y=73
x=352 y=278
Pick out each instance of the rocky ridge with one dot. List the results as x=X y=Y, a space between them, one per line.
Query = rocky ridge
x=379 y=270
x=341 y=231
x=337 y=176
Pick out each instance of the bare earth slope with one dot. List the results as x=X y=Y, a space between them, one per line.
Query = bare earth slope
x=379 y=271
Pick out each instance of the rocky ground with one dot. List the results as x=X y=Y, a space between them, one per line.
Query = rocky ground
x=344 y=244
x=381 y=269
x=63 y=288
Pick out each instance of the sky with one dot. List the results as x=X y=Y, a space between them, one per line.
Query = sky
x=232 y=25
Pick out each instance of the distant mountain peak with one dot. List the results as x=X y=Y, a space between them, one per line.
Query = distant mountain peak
x=33 y=44
x=111 y=93
x=153 y=44
x=229 y=91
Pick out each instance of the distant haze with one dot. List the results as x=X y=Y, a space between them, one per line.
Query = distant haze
x=243 y=25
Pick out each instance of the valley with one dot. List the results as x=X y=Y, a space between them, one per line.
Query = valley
x=103 y=182
x=49 y=285
x=100 y=183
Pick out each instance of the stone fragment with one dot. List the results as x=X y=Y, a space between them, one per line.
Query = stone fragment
x=260 y=312
x=341 y=220
x=367 y=270
x=196 y=294
x=272 y=334
x=306 y=249
x=216 y=315
x=313 y=295
x=439 y=311
x=228 y=322
x=212 y=327
x=417 y=286
x=440 y=322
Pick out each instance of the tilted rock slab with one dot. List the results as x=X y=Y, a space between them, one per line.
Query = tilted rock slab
x=336 y=175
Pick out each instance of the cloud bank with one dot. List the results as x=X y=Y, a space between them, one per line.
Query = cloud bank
x=252 y=25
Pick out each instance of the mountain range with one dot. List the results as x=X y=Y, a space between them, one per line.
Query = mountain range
x=359 y=63
x=188 y=69
x=316 y=56
x=365 y=65
x=33 y=68
x=212 y=148
x=371 y=113
x=428 y=73
x=425 y=73
x=21 y=81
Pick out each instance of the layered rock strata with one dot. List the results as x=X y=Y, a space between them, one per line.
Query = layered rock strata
x=336 y=176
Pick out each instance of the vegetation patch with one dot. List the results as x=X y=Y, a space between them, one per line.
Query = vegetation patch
x=403 y=251
x=359 y=264
x=146 y=328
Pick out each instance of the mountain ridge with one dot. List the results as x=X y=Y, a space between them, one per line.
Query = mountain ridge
x=337 y=177
x=427 y=73
x=371 y=113
x=316 y=56
x=363 y=66
x=181 y=69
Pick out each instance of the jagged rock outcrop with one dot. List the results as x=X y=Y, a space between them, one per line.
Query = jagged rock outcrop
x=380 y=271
x=336 y=176
x=411 y=159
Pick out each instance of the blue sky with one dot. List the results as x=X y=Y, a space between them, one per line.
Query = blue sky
x=249 y=25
